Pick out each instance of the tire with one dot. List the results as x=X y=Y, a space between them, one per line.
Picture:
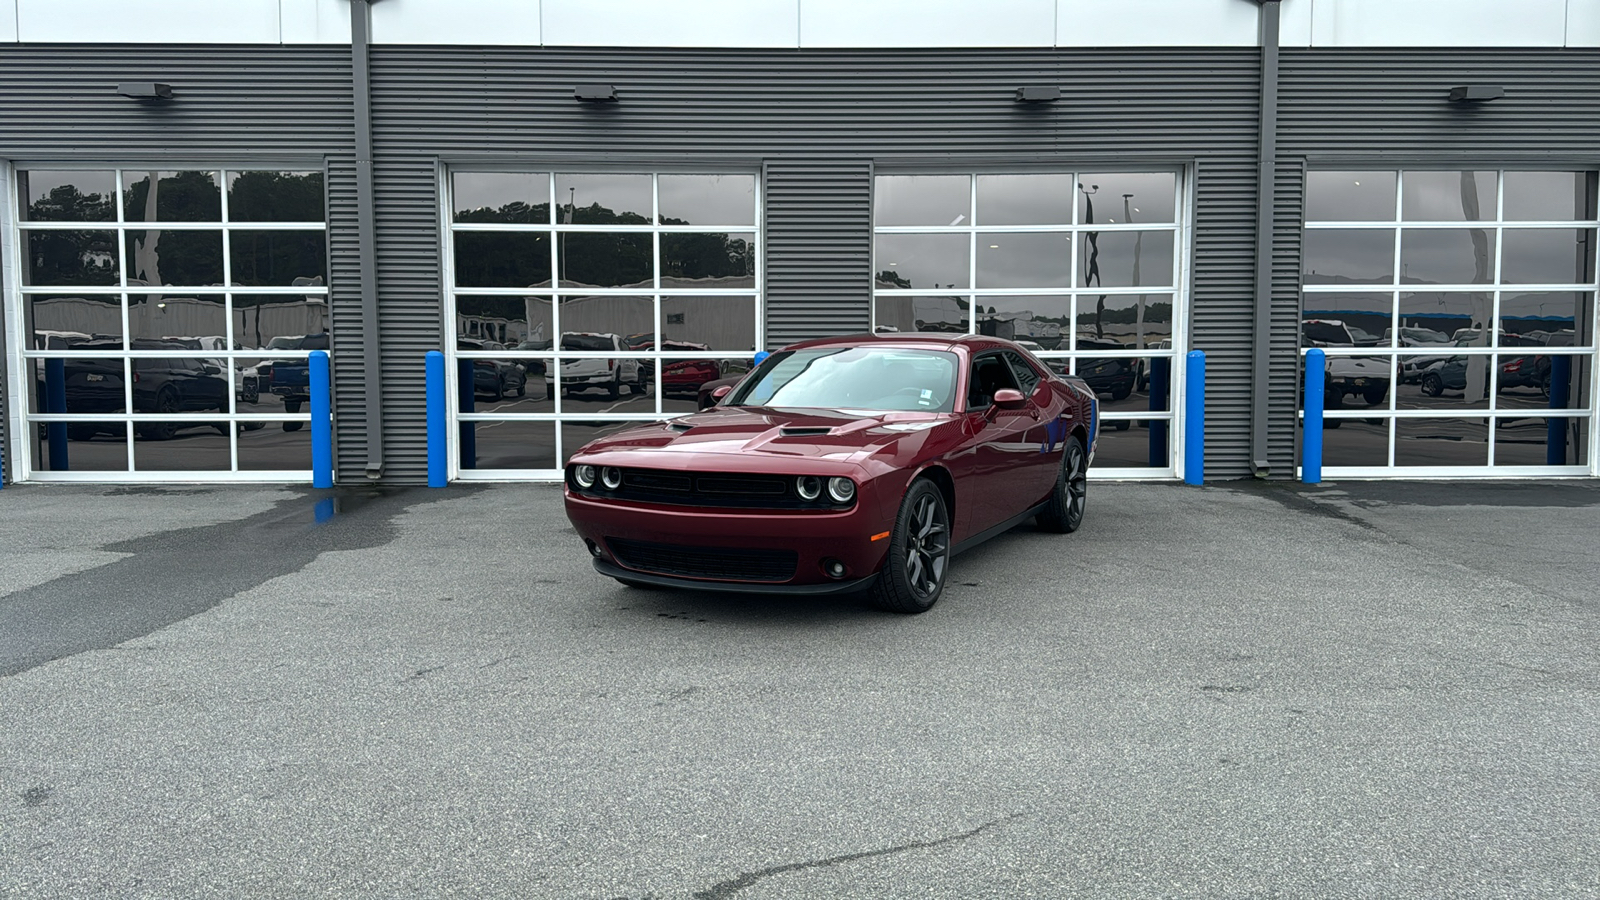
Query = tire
x=1064 y=512
x=499 y=390
x=522 y=387
x=636 y=387
x=1375 y=395
x=1122 y=392
x=291 y=406
x=166 y=402
x=549 y=391
x=1432 y=385
x=1333 y=398
x=1120 y=425
x=913 y=575
x=292 y=426
x=614 y=390
x=250 y=394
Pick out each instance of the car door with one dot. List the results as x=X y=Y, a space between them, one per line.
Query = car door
x=998 y=449
x=1043 y=434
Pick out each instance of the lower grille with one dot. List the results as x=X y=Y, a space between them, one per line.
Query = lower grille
x=721 y=563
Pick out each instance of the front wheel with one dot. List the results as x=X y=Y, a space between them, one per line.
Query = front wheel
x=1064 y=512
x=913 y=576
x=1432 y=385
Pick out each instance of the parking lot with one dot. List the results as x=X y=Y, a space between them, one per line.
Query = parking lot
x=1354 y=690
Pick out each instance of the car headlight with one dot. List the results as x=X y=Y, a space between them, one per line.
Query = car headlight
x=841 y=489
x=809 y=487
x=611 y=478
x=584 y=476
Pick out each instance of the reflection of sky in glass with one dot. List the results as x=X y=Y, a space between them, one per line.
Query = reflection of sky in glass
x=1446 y=256
x=1024 y=200
x=1151 y=201
x=1348 y=255
x=1442 y=196
x=1323 y=306
x=477 y=190
x=921 y=199
x=1556 y=309
x=40 y=183
x=1024 y=260
x=927 y=261
x=618 y=193
x=1350 y=196
x=1548 y=196
x=708 y=199
x=1126 y=259
x=1546 y=256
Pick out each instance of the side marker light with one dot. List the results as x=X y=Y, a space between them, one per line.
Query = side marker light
x=881 y=536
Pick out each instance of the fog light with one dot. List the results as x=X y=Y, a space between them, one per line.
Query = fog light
x=611 y=478
x=809 y=487
x=584 y=476
x=841 y=489
x=834 y=568
x=594 y=549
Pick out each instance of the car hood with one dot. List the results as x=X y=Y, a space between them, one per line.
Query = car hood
x=844 y=435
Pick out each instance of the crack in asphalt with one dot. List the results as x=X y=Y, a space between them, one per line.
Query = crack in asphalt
x=723 y=890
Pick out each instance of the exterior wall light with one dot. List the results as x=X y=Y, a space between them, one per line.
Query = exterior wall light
x=145 y=90
x=1038 y=94
x=1476 y=93
x=596 y=93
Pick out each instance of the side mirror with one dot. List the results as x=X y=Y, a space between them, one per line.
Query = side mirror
x=721 y=392
x=1009 y=398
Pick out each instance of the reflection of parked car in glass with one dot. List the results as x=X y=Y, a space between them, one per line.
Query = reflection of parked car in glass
x=533 y=366
x=160 y=385
x=291 y=378
x=1347 y=376
x=1114 y=375
x=609 y=374
x=685 y=375
x=495 y=377
x=1450 y=374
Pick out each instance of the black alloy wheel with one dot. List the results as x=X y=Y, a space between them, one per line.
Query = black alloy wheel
x=1432 y=385
x=913 y=576
x=166 y=403
x=1063 y=513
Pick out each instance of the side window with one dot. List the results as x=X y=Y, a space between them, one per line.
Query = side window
x=1026 y=376
x=989 y=374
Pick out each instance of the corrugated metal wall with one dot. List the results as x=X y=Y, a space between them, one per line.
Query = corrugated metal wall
x=817 y=122
x=230 y=104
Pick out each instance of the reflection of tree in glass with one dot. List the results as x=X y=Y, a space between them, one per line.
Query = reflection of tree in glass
x=65 y=203
x=891 y=277
x=275 y=257
x=180 y=197
x=275 y=197
x=1158 y=312
x=71 y=257
x=515 y=213
x=705 y=256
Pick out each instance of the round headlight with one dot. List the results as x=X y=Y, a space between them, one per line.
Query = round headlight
x=584 y=476
x=809 y=487
x=611 y=478
x=841 y=489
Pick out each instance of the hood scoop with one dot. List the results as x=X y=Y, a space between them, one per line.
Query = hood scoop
x=804 y=431
x=680 y=427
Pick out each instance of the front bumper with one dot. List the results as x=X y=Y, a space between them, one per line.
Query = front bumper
x=611 y=569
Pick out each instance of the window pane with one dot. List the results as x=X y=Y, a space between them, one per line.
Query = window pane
x=1111 y=378
x=1125 y=259
x=71 y=258
x=1430 y=319
x=1448 y=196
x=518 y=197
x=180 y=445
x=1457 y=381
x=1344 y=256
x=75 y=446
x=1446 y=256
x=198 y=322
x=1350 y=196
x=605 y=314
x=715 y=323
x=1122 y=321
x=1527 y=442
x=171 y=197
x=179 y=386
x=1441 y=442
x=707 y=199
x=921 y=200
x=88 y=386
x=1127 y=444
x=187 y=258
x=275 y=197
x=269 y=446
x=292 y=324
x=1121 y=198
x=1542 y=380
x=907 y=313
x=1044 y=321
x=615 y=259
x=500 y=383
x=603 y=199
x=1549 y=196
x=63 y=322
x=501 y=259
x=1548 y=256
x=46 y=196
x=1024 y=200
x=1545 y=318
x=1357 y=382
x=1347 y=320
x=511 y=321
x=709 y=260
x=1024 y=260
x=279 y=258
x=922 y=261
x=1355 y=442
x=509 y=445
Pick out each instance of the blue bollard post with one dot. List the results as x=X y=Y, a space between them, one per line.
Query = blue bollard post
x=467 y=401
x=55 y=401
x=1194 y=426
x=438 y=454
x=1311 y=444
x=1555 y=445
x=321 y=421
x=1160 y=384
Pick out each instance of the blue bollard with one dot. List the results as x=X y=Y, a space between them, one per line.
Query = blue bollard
x=1311 y=444
x=1160 y=384
x=438 y=452
x=1194 y=426
x=467 y=401
x=55 y=401
x=1555 y=445
x=321 y=421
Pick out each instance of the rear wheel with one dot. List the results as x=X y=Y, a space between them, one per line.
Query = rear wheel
x=614 y=390
x=1064 y=512
x=1432 y=385
x=166 y=402
x=913 y=576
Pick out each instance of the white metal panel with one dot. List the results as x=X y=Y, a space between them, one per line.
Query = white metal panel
x=1583 y=23
x=1157 y=23
x=148 y=21
x=652 y=23
x=927 y=23
x=1439 y=23
x=506 y=22
x=1294 y=22
x=314 y=21
x=8 y=20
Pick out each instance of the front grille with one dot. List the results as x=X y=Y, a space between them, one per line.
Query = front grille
x=719 y=563
x=726 y=490
x=744 y=486
x=657 y=481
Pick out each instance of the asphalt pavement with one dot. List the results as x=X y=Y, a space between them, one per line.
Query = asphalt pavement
x=1357 y=690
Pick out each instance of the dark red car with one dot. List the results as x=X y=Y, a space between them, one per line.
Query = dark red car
x=844 y=464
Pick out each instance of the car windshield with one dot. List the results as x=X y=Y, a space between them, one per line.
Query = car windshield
x=867 y=378
x=1426 y=335
x=586 y=343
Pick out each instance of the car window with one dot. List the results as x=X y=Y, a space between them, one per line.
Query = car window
x=1027 y=377
x=989 y=374
x=866 y=378
x=587 y=343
